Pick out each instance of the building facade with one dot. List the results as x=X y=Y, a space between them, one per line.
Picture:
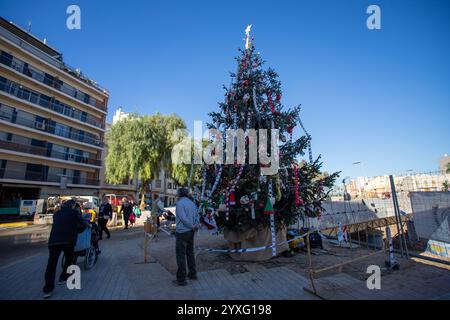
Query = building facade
x=52 y=121
x=379 y=187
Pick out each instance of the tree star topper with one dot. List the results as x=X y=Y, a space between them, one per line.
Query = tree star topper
x=247 y=36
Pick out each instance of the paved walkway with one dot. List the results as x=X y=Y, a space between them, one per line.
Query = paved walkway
x=121 y=274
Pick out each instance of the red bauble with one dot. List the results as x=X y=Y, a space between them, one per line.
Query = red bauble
x=278 y=97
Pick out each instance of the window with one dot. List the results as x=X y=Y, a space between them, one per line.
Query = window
x=6 y=58
x=35 y=73
x=57 y=84
x=58 y=152
x=48 y=79
x=38 y=143
x=4 y=136
x=44 y=101
x=62 y=130
x=24 y=94
x=6 y=113
x=35 y=172
x=86 y=98
x=14 y=170
x=25 y=118
x=76 y=177
x=34 y=97
x=81 y=135
x=54 y=174
x=27 y=70
x=68 y=89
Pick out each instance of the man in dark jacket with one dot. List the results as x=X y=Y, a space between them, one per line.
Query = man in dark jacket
x=63 y=238
x=126 y=210
x=104 y=214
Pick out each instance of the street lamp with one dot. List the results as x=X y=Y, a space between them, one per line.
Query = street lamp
x=346 y=195
x=362 y=175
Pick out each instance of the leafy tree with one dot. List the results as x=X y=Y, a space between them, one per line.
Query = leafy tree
x=140 y=146
x=446 y=186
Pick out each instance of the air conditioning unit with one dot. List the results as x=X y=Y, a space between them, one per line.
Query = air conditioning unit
x=40 y=125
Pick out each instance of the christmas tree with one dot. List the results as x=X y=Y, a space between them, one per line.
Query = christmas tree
x=239 y=195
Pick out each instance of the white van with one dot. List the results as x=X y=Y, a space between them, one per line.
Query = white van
x=28 y=207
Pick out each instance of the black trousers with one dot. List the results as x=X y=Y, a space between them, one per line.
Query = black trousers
x=50 y=272
x=126 y=217
x=185 y=252
x=102 y=226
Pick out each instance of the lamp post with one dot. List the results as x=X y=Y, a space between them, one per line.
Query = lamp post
x=346 y=195
x=362 y=175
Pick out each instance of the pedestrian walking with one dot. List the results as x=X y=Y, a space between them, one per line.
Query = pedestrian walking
x=137 y=211
x=63 y=238
x=126 y=210
x=156 y=209
x=187 y=223
x=104 y=215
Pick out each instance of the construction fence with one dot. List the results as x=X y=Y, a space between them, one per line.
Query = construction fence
x=423 y=205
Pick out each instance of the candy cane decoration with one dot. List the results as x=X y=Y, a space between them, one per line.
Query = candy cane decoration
x=254 y=99
x=202 y=195
x=297 y=198
x=272 y=220
x=232 y=187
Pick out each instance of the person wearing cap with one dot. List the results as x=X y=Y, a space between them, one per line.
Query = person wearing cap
x=187 y=223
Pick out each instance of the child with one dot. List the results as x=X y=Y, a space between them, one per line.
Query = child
x=132 y=219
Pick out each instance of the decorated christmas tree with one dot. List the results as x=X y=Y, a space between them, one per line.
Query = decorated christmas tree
x=240 y=195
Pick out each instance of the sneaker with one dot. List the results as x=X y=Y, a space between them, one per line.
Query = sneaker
x=193 y=277
x=180 y=283
x=109 y=236
x=48 y=295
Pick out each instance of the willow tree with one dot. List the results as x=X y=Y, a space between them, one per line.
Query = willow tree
x=140 y=146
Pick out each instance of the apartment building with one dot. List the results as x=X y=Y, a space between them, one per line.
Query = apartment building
x=52 y=121
x=165 y=187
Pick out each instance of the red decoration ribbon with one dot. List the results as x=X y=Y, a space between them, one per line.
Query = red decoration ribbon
x=269 y=97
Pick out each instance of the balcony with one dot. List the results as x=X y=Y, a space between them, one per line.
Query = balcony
x=32 y=72
x=41 y=151
x=45 y=127
x=41 y=177
x=46 y=102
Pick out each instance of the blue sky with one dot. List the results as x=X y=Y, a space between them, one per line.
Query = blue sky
x=377 y=96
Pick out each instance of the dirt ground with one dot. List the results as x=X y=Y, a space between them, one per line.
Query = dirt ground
x=164 y=251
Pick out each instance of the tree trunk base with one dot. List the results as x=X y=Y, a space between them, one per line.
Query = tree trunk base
x=255 y=237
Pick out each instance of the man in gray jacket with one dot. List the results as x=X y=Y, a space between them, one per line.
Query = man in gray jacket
x=187 y=223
